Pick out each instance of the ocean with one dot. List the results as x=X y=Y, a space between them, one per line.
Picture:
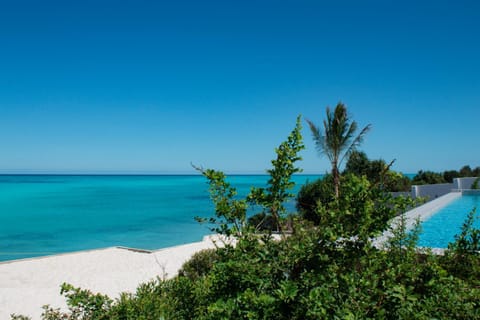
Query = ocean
x=51 y=214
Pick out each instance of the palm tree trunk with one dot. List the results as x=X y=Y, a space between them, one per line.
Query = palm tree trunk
x=336 y=180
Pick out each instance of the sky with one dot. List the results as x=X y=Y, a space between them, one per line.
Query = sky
x=153 y=86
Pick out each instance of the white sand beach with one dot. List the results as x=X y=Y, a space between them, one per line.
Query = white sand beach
x=27 y=285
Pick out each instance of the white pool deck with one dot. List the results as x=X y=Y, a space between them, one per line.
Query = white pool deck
x=26 y=285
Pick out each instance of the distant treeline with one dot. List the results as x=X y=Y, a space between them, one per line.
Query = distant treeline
x=379 y=172
x=430 y=177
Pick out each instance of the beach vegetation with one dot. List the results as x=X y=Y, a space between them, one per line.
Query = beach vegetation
x=199 y=264
x=230 y=212
x=279 y=187
x=262 y=222
x=466 y=171
x=328 y=266
x=428 y=177
x=337 y=139
x=463 y=255
x=378 y=172
x=447 y=176
x=475 y=184
x=313 y=194
x=362 y=211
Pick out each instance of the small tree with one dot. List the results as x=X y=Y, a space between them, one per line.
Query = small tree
x=273 y=197
x=231 y=212
x=337 y=140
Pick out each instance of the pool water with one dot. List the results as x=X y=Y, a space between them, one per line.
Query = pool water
x=441 y=228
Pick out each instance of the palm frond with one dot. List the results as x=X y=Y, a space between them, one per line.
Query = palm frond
x=356 y=142
x=318 y=137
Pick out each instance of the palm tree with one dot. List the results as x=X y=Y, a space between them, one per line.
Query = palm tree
x=337 y=140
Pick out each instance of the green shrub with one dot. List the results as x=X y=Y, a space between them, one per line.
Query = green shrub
x=463 y=255
x=361 y=210
x=313 y=194
x=428 y=177
x=378 y=172
x=475 y=184
x=199 y=264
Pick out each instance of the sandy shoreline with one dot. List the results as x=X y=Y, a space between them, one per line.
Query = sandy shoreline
x=26 y=285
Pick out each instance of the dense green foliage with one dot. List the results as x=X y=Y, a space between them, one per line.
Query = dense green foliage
x=377 y=172
x=463 y=256
x=316 y=201
x=199 y=264
x=304 y=276
x=430 y=177
x=337 y=140
x=363 y=210
x=329 y=269
x=313 y=194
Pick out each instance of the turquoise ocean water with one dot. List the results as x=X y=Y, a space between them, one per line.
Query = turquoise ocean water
x=51 y=214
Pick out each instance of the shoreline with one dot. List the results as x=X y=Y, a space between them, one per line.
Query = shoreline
x=28 y=284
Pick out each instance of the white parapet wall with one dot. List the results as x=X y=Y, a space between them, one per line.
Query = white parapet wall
x=463 y=183
x=431 y=191
x=434 y=191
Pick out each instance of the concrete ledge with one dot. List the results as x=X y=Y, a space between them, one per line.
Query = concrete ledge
x=471 y=192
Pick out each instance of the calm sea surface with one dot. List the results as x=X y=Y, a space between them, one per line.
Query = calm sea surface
x=50 y=214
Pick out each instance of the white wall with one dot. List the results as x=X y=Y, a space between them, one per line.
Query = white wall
x=431 y=191
x=463 y=183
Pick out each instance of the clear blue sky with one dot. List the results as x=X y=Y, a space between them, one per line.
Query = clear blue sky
x=150 y=86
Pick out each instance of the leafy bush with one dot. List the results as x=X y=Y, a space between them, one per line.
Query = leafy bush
x=395 y=181
x=463 y=255
x=312 y=194
x=199 y=264
x=377 y=172
x=449 y=175
x=428 y=177
x=475 y=184
x=262 y=222
x=362 y=210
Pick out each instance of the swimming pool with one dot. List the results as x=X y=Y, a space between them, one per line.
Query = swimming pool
x=441 y=228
